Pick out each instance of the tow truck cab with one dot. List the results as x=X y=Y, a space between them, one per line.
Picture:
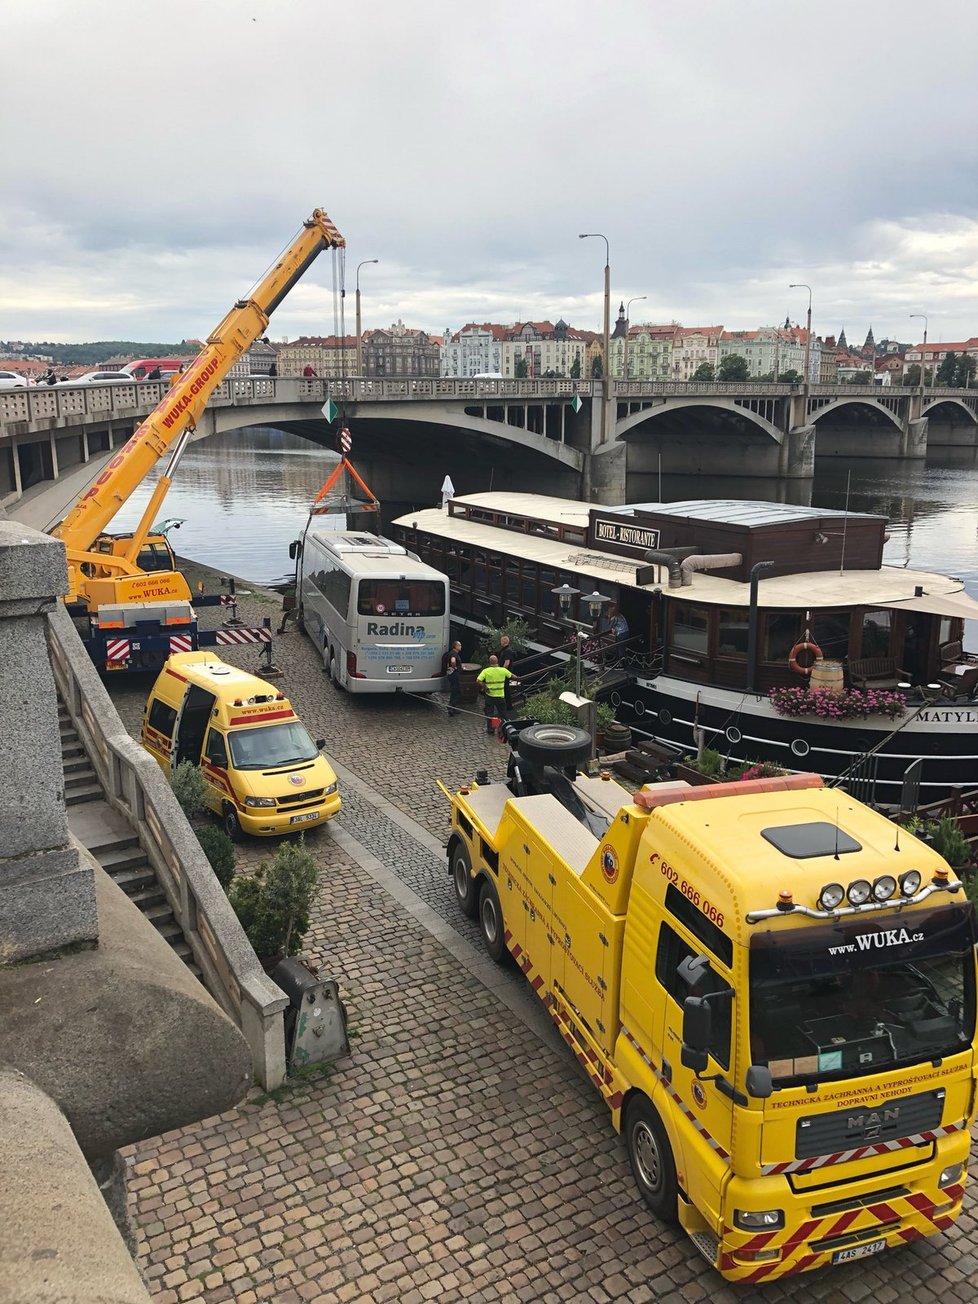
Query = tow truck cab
x=263 y=773
x=771 y=986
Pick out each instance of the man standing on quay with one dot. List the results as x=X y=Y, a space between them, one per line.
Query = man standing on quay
x=453 y=673
x=493 y=681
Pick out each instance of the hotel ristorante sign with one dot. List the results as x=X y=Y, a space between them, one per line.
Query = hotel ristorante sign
x=621 y=534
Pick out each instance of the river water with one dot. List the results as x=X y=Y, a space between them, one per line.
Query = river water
x=245 y=496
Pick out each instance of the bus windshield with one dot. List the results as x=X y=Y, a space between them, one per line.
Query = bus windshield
x=268 y=746
x=862 y=995
x=396 y=597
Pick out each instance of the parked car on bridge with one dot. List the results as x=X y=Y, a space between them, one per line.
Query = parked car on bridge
x=13 y=380
x=99 y=378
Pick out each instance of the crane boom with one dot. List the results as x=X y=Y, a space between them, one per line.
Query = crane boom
x=174 y=416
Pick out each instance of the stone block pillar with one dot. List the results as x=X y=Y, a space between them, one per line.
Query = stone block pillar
x=47 y=893
x=604 y=475
x=796 y=455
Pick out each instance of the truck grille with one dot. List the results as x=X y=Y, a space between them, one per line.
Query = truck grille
x=859 y=1201
x=858 y=1125
x=302 y=798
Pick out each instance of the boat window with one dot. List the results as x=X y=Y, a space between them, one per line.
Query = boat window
x=513 y=583
x=831 y=633
x=691 y=628
x=783 y=630
x=876 y=633
x=732 y=633
x=528 y=594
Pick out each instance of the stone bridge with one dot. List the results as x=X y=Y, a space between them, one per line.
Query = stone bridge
x=509 y=432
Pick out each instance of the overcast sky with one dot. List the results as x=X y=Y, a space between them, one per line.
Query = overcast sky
x=157 y=156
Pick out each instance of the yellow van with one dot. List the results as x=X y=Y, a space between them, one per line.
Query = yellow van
x=263 y=774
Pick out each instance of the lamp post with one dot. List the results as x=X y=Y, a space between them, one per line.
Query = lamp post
x=800 y=285
x=365 y=262
x=922 y=348
x=565 y=595
x=636 y=298
x=606 y=377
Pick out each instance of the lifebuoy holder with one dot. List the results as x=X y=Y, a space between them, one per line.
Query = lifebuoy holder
x=806 y=645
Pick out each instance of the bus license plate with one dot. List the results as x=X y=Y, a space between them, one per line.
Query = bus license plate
x=399 y=670
x=302 y=819
x=858 y=1252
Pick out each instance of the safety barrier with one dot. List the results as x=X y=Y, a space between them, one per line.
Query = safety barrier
x=135 y=786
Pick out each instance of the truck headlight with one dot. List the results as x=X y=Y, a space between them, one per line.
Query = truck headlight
x=953 y=1173
x=259 y=801
x=759 y=1220
x=330 y=789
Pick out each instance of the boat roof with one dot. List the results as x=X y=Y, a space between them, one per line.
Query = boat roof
x=735 y=511
x=890 y=586
x=558 y=511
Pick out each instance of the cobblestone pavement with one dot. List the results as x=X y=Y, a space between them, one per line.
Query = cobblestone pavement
x=457 y=1154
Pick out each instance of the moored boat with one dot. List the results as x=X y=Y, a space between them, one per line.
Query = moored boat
x=721 y=613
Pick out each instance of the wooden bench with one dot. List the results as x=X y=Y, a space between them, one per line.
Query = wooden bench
x=876 y=672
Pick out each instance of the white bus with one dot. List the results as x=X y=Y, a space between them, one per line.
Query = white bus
x=377 y=612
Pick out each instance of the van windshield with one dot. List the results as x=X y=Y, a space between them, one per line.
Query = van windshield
x=268 y=746
x=863 y=994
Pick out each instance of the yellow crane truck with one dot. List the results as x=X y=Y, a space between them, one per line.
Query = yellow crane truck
x=771 y=985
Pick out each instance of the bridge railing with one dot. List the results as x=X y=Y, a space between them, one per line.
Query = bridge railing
x=135 y=786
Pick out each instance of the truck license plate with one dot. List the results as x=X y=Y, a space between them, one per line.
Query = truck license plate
x=302 y=819
x=399 y=670
x=858 y=1252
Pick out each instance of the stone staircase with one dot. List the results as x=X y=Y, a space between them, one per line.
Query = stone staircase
x=108 y=837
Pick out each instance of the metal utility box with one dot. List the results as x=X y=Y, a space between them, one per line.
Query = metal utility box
x=315 y=1022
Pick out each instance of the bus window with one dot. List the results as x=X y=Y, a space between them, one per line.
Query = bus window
x=393 y=597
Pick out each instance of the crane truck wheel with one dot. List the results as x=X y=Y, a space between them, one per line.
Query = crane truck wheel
x=554 y=744
x=232 y=825
x=466 y=889
x=650 y=1156
x=491 y=923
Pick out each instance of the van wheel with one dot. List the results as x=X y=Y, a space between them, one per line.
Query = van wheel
x=491 y=923
x=650 y=1156
x=466 y=890
x=232 y=825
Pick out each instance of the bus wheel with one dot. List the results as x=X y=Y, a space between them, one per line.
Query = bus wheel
x=650 y=1155
x=491 y=923
x=466 y=890
x=232 y=825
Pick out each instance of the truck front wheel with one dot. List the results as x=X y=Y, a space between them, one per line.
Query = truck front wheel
x=650 y=1155
x=491 y=923
x=466 y=890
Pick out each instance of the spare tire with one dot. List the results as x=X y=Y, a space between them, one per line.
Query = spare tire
x=555 y=744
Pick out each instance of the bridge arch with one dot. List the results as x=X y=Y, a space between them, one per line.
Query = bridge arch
x=960 y=405
x=628 y=423
x=875 y=405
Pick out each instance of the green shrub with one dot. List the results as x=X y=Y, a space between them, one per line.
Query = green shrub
x=187 y=783
x=547 y=709
x=949 y=841
x=274 y=903
x=711 y=763
x=219 y=850
x=519 y=638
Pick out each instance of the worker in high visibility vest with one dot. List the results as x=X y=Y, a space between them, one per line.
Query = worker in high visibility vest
x=492 y=681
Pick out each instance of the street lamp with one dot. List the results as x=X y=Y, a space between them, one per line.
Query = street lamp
x=606 y=378
x=800 y=285
x=365 y=262
x=636 y=298
x=923 y=346
x=565 y=596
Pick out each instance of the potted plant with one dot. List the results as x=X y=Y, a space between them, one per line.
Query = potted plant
x=708 y=767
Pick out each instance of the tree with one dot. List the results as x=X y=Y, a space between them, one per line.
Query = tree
x=790 y=377
x=734 y=367
x=705 y=373
x=945 y=372
x=575 y=371
x=273 y=904
x=520 y=371
x=912 y=374
x=597 y=367
x=964 y=371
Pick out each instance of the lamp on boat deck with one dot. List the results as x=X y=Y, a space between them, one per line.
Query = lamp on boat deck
x=595 y=602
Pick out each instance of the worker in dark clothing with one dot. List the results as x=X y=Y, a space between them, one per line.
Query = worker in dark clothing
x=504 y=655
x=453 y=674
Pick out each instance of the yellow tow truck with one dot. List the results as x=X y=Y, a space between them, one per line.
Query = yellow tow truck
x=770 y=984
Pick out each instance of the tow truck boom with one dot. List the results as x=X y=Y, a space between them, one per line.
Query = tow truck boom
x=95 y=577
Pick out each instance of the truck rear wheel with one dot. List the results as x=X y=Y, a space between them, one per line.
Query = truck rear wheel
x=491 y=923
x=650 y=1156
x=554 y=744
x=466 y=890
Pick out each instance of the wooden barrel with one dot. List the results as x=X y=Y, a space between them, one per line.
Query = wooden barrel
x=827 y=677
x=466 y=680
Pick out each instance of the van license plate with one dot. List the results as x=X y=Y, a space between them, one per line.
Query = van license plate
x=302 y=819
x=399 y=670
x=858 y=1252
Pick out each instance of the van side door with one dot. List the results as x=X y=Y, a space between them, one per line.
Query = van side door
x=214 y=768
x=194 y=718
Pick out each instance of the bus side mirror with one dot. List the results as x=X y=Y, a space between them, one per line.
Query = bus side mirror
x=294 y=547
x=697 y=1026
x=759 y=1084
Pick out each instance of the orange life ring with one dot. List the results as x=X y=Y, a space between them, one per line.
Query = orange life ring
x=804 y=646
